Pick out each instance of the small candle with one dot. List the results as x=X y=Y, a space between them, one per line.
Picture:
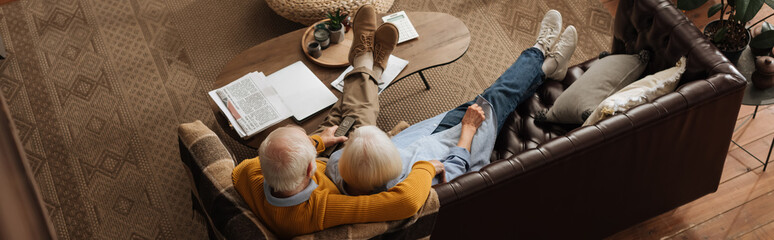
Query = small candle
x=314 y=49
x=323 y=37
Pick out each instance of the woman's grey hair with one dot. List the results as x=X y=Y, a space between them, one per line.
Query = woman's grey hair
x=369 y=159
x=285 y=155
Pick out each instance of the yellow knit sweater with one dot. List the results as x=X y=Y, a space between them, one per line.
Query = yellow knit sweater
x=327 y=207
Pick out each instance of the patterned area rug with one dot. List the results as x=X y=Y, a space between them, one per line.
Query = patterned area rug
x=98 y=87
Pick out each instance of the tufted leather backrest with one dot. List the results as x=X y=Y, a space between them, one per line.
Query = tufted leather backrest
x=635 y=156
x=655 y=26
x=520 y=131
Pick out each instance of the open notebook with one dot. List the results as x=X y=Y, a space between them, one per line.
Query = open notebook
x=255 y=102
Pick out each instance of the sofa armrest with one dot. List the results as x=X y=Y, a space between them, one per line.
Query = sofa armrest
x=211 y=164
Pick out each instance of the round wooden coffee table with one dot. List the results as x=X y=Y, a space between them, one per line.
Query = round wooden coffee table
x=442 y=40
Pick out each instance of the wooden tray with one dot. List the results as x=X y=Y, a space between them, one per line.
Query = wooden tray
x=335 y=55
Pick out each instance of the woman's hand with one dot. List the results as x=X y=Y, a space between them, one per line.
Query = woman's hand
x=439 y=169
x=472 y=120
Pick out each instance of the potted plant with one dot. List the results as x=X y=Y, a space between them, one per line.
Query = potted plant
x=729 y=33
x=335 y=25
x=763 y=39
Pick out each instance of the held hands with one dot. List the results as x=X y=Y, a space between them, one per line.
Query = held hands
x=439 y=169
x=328 y=138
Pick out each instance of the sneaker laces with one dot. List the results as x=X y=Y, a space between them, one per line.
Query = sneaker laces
x=543 y=35
x=555 y=54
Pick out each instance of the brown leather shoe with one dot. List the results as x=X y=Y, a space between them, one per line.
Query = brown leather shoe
x=363 y=32
x=385 y=39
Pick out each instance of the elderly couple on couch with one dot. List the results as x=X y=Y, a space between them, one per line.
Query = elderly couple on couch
x=376 y=178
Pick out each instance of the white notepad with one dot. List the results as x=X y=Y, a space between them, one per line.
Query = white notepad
x=303 y=93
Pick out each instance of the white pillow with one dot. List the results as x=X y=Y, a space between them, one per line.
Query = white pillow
x=642 y=91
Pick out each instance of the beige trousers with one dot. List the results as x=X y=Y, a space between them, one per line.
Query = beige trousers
x=359 y=100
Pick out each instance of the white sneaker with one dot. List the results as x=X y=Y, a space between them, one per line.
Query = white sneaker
x=561 y=53
x=550 y=28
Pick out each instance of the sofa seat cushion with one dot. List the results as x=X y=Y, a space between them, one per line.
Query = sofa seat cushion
x=520 y=131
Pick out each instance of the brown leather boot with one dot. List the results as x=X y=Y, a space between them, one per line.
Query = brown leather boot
x=364 y=25
x=385 y=39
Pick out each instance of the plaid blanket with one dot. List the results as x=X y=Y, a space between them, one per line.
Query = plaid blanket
x=211 y=164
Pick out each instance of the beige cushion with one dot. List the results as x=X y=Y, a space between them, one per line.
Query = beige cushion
x=639 y=92
x=605 y=77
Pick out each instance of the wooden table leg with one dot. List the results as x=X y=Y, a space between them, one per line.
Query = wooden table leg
x=3 y=52
x=421 y=75
x=768 y=156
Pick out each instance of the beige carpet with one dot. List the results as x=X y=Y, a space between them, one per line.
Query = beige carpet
x=97 y=88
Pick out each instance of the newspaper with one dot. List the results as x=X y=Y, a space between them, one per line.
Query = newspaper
x=255 y=102
x=394 y=66
x=251 y=103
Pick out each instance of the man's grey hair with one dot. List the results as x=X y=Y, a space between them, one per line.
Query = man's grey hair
x=369 y=159
x=285 y=155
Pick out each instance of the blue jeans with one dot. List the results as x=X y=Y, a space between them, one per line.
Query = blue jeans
x=515 y=85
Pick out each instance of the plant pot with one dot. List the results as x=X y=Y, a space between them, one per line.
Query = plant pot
x=737 y=38
x=337 y=35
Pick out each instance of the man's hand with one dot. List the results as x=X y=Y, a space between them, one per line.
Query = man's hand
x=439 y=169
x=328 y=139
x=473 y=118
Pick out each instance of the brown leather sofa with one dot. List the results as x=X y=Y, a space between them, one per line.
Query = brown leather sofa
x=564 y=182
x=594 y=181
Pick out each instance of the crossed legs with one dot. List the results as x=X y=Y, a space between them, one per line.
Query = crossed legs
x=547 y=59
x=367 y=55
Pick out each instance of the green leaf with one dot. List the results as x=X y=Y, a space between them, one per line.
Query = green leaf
x=763 y=40
x=741 y=9
x=747 y=9
x=753 y=9
x=690 y=4
x=720 y=35
x=714 y=9
x=766 y=26
x=770 y=3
